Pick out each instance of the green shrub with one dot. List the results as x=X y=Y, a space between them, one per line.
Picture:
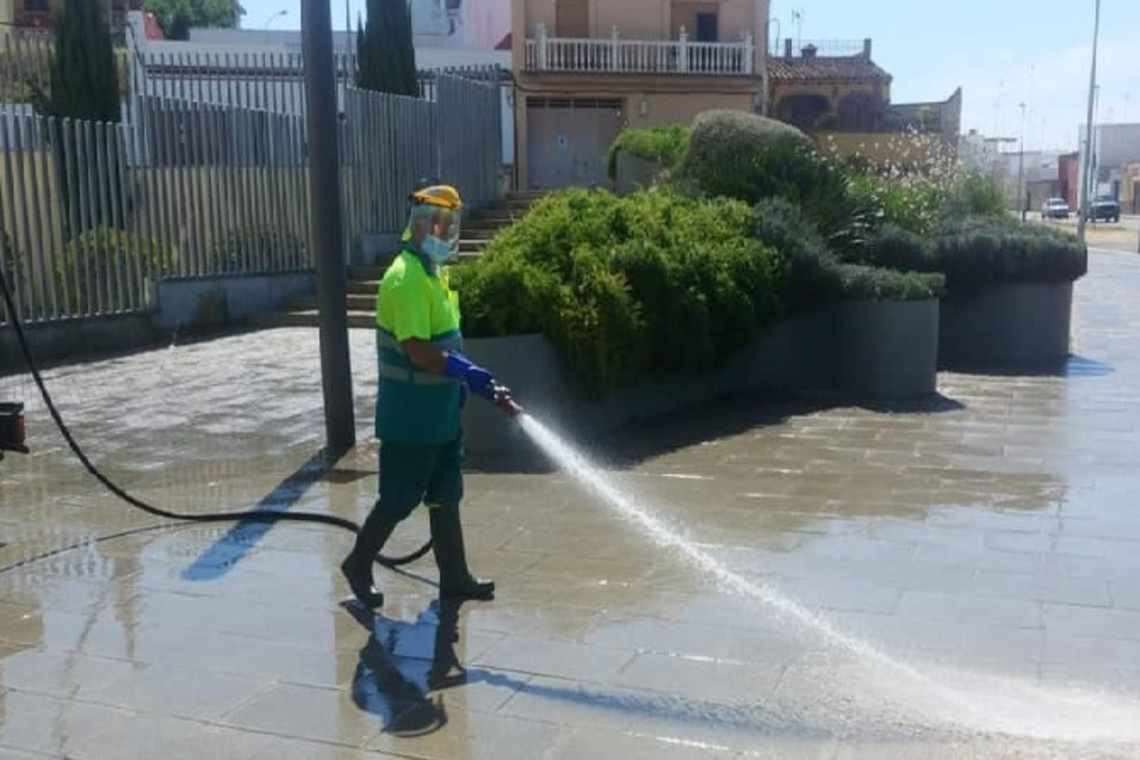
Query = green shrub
x=981 y=251
x=751 y=158
x=258 y=249
x=665 y=145
x=863 y=283
x=813 y=276
x=655 y=282
x=103 y=262
x=897 y=248
x=920 y=200
x=974 y=194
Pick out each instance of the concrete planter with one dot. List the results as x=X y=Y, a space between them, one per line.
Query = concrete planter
x=216 y=301
x=1009 y=326
x=888 y=349
x=794 y=354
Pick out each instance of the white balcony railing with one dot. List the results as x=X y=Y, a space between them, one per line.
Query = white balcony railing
x=614 y=55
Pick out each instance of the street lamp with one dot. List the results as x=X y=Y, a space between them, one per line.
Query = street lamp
x=270 y=20
x=274 y=17
x=1086 y=164
x=1022 y=201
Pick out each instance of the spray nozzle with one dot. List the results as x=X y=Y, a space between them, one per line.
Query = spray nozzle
x=505 y=400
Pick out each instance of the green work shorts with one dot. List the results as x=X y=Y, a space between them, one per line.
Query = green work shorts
x=411 y=475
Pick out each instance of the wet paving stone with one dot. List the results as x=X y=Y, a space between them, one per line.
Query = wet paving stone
x=956 y=580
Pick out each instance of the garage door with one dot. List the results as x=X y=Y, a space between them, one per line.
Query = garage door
x=567 y=140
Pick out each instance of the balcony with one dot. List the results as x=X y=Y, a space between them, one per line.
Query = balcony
x=614 y=55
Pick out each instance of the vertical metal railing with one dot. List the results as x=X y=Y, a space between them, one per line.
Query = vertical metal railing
x=208 y=176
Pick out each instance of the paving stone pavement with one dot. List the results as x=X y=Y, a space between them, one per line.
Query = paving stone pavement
x=956 y=580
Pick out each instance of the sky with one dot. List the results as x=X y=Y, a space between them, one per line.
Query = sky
x=1000 y=52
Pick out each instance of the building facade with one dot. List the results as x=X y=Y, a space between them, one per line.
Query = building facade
x=836 y=92
x=586 y=69
x=1115 y=146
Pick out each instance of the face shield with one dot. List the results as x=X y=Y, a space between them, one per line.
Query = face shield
x=439 y=230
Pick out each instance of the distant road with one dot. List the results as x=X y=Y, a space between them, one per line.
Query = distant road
x=1122 y=236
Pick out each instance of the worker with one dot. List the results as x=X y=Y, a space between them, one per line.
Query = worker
x=424 y=379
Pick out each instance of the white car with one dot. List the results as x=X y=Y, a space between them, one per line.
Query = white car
x=1055 y=208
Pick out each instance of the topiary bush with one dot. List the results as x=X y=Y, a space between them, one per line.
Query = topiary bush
x=665 y=145
x=856 y=282
x=813 y=276
x=894 y=247
x=651 y=283
x=750 y=158
x=978 y=252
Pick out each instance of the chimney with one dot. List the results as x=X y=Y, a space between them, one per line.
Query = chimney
x=867 y=48
x=788 y=48
x=809 y=51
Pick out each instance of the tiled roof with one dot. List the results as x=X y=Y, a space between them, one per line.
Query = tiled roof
x=826 y=69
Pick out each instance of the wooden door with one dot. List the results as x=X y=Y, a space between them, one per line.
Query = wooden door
x=572 y=18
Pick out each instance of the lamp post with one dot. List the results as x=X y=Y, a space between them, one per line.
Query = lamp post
x=273 y=17
x=1022 y=200
x=326 y=236
x=1087 y=162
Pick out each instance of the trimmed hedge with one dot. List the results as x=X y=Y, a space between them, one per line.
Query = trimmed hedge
x=981 y=251
x=665 y=145
x=648 y=284
x=813 y=276
x=752 y=158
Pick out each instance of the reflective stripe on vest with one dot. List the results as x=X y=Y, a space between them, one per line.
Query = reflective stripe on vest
x=403 y=370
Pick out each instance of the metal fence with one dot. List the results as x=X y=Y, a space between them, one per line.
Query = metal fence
x=90 y=213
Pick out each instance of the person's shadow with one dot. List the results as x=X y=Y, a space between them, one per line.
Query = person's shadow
x=402 y=663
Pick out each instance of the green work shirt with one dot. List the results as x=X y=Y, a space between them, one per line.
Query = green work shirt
x=413 y=406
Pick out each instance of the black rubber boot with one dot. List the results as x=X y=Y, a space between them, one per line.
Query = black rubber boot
x=357 y=566
x=455 y=580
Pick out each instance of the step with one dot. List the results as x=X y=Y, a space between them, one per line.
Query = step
x=363 y=287
x=495 y=221
x=356 y=302
x=471 y=232
x=310 y=318
x=528 y=195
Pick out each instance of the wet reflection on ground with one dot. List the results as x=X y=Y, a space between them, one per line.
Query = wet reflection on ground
x=980 y=550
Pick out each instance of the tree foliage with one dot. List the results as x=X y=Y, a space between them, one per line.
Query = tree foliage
x=386 y=51
x=83 y=77
x=176 y=17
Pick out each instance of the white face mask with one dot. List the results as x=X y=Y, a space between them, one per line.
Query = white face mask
x=436 y=249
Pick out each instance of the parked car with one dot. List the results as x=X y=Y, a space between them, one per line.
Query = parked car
x=1104 y=207
x=1055 y=208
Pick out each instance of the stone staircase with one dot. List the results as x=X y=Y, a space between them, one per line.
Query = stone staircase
x=363 y=281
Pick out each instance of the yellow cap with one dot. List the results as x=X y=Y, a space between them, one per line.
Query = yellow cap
x=444 y=196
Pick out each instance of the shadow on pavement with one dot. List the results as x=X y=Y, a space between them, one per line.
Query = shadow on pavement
x=729 y=415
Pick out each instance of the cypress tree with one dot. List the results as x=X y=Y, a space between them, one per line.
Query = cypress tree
x=386 y=51
x=84 y=82
x=84 y=77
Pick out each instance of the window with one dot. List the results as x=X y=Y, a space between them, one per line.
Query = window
x=706 y=26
